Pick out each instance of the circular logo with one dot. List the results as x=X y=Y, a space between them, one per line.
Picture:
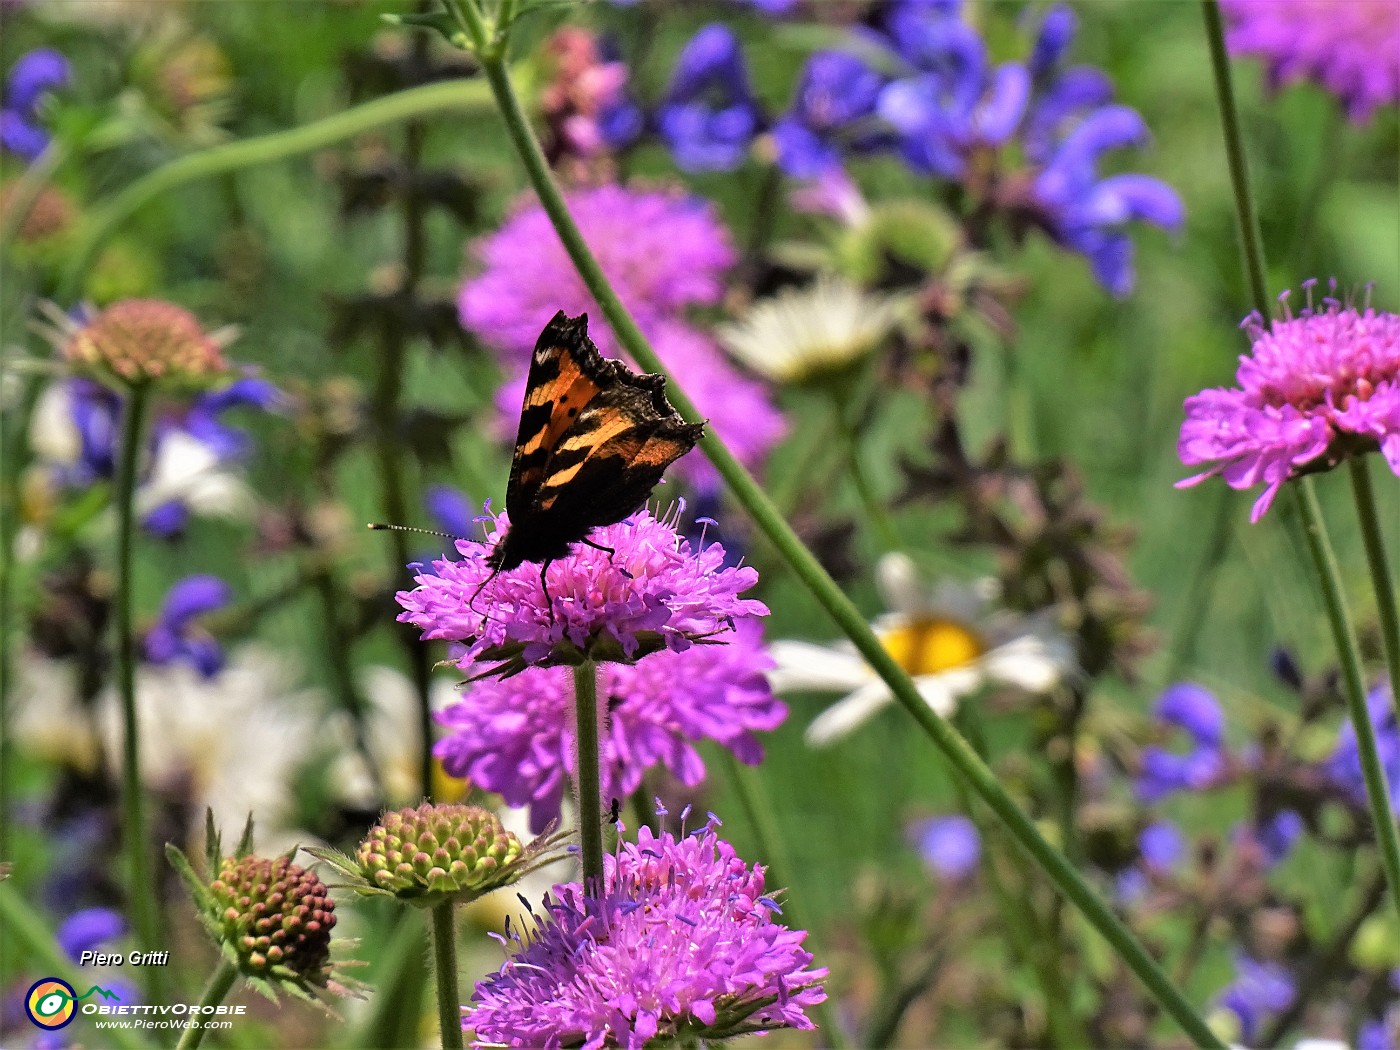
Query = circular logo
x=51 y=1003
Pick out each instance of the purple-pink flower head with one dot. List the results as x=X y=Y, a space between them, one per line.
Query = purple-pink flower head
x=516 y=736
x=682 y=942
x=1315 y=389
x=661 y=251
x=650 y=591
x=1350 y=47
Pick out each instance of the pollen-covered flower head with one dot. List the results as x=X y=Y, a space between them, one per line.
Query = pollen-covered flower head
x=807 y=333
x=517 y=736
x=682 y=943
x=1350 y=47
x=146 y=340
x=1315 y=389
x=651 y=590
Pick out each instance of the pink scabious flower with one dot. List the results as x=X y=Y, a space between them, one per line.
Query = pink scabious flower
x=664 y=252
x=1350 y=47
x=517 y=737
x=1315 y=389
x=650 y=592
x=681 y=943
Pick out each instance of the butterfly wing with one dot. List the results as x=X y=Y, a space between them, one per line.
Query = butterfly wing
x=594 y=440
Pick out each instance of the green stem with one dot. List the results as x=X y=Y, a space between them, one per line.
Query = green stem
x=748 y=785
x=1344 y=637
x=590 y=797
x=220 y=981
x=399 y=978
x=827 y=592
x=27 y=191
x=445 y=971
x=1381 y=579
x=1251 y=242
x=25 y=929
x=264 y=149
x=140 y=880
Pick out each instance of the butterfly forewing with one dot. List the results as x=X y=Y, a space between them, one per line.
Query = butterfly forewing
x=594 y=440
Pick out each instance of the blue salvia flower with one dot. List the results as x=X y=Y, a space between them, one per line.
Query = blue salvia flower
x=710 y=116
x=1190 y=708
x=942 y=103
x=176 y=635
x=831 y=111
x=1344 y=767
x=950 y=845
x=1259 y=990
x=87 y=930
x=33 y=76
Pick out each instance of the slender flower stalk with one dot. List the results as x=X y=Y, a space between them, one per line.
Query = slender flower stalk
x=138 y=858
x=220 y=981
x=1353 y=686
x=1314 y=528
x=590 y=802
x=1381 y=579
x=252 y=152
x=449 y=1004
x=1251 y=240
x=848 y=618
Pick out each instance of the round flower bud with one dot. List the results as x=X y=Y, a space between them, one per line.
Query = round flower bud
x=431 y=852
x=276 y=917
x=144 y=340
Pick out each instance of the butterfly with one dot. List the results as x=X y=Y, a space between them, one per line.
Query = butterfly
x=593 y=441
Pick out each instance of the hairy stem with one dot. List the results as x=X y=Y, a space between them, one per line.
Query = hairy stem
x=1353 y=686
x=590 y=792
x=1251 y=241
x=141 y=889
x=1381 y=579
x=220 y=981
x=445 y=973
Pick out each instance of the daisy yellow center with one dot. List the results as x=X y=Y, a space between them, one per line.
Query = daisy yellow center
x=931 y=645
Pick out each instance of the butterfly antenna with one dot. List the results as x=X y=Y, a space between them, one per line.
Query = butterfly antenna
x=379 y=526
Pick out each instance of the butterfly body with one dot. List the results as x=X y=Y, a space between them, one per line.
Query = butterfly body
x=594 y=440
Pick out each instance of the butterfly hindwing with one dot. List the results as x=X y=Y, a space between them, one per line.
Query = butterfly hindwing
x=594 y=440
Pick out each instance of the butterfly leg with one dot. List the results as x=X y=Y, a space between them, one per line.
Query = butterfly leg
x=609 y=551
x=544 y=586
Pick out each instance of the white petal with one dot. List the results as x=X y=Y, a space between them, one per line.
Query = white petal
x=1032 y=663
x=848 y=713
x=942 y=691
x=803 y=665
x=52 y=433
x=901 y=589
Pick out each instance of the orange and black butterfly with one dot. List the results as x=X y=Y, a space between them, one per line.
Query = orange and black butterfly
x=593 y=442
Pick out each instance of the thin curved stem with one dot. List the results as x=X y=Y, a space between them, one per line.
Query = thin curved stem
x=1251 y=241
x=27 y=190
x=140 y=879
x=1381 y=579
x=445 y=973
x=264 y=149
x=590 y=791
x=220 y=981
x=827 y=592
x=1353 y=686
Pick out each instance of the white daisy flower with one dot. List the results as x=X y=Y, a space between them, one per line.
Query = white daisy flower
x=945 y=637
x=801 y=332
x=231 y=743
